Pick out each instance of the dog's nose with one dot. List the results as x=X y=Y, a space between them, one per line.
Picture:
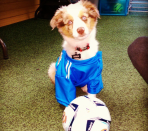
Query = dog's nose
x=81 y=30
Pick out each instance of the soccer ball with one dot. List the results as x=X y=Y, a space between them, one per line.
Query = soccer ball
x=86 y=114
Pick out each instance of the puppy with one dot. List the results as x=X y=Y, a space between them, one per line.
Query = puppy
x=80 y=63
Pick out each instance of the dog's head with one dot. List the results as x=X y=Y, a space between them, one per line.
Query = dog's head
x=76 y=20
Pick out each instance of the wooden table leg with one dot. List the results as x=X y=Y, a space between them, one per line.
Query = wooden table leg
x=5 y=53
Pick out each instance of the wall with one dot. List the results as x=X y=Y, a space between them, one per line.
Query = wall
x=12 y=11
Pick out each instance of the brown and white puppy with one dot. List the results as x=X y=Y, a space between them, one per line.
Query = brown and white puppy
x=77 y=25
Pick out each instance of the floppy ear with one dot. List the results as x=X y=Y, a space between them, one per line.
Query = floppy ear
x=92 y=9
x=57 y=19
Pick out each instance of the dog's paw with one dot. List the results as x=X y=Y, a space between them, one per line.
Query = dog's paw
x=84 y=89
x=51 y=72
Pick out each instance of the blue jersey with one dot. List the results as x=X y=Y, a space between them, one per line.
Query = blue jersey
x=71 y=73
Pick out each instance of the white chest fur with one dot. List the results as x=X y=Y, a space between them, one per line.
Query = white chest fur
x=70 y=44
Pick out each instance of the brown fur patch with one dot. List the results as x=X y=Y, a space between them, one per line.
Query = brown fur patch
x=67 y=28
x=60 y=20
x=57 y=20
x=92 y=10
x=91 y=21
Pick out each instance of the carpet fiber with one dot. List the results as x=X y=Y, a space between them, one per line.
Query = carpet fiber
x=27 y=97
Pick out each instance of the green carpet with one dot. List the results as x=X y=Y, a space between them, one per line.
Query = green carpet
x=27 y=96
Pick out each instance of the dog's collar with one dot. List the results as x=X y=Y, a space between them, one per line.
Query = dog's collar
x=84 y=48
x=80 y=49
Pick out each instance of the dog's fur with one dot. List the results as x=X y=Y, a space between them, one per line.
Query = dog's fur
x=77 y=25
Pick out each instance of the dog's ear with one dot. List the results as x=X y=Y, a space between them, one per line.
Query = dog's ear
x=57 y=19
x=92 y=9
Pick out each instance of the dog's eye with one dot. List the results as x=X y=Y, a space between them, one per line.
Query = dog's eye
x=70 y=22
x=84 y=18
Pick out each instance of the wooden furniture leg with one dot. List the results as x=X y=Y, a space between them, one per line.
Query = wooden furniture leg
x=5 y=53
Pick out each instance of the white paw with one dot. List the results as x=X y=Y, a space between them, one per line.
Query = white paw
x=84 y=89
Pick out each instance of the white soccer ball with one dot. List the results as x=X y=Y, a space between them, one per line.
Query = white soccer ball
x=86 y=114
